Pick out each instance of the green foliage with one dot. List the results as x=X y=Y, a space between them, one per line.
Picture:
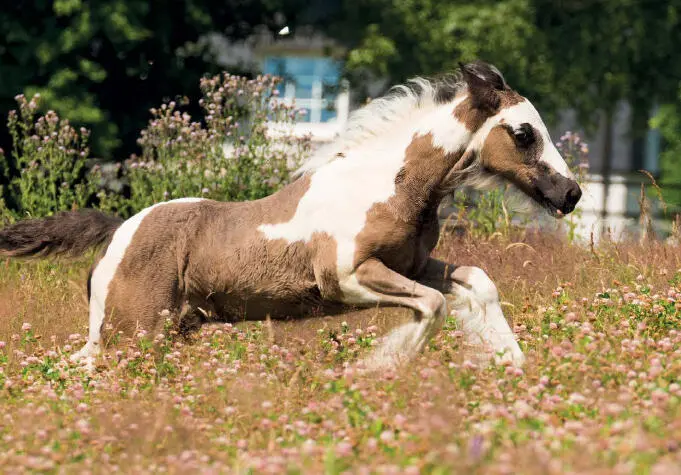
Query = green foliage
x=397 y=43
x=104 y=64
x=668 y=121
x=238 y=155
x=584 y=55
x=232 y=158
x=50 y=156
x=374 y=52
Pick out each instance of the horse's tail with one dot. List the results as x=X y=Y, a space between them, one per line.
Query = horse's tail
x=66 y=233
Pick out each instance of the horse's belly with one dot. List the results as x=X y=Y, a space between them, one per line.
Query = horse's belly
x=235 y=306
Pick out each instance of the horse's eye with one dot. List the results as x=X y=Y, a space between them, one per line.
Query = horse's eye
x=524 y=136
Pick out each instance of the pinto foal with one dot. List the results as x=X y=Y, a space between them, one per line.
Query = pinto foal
x=356 y=228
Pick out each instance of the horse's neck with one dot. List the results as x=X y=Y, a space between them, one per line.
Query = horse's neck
x=418 y=189
x=403 y=166
x=437 y=143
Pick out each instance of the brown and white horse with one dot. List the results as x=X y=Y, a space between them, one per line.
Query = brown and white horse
x=356 y=228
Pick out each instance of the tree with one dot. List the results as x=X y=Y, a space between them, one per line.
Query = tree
x=399 y=39
x=584 y=54
x=104 y=64
x=668 y=121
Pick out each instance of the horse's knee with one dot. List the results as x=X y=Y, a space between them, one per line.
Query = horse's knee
x=479 y=282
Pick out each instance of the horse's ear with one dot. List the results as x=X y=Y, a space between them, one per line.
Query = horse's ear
x=484 y=84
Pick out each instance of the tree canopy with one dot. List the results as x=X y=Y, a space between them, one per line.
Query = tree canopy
x=104 y=64
x=585 y=54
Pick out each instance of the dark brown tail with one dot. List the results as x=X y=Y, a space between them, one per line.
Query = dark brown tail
x=67 y=233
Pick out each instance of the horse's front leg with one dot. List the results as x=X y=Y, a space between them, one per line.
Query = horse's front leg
x=373 y=283
x=475 y=304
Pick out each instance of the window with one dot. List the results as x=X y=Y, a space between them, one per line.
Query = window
x=311 y=81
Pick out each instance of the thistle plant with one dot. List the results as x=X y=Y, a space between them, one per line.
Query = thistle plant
x=233 y=155
x=576 y=153
x=50 y=162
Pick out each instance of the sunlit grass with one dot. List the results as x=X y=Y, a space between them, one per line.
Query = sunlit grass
x=601 y=391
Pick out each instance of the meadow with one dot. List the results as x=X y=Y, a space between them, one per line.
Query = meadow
x=600 y=393
x=599 y=324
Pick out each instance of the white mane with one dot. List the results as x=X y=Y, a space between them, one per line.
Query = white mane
x=381 y=114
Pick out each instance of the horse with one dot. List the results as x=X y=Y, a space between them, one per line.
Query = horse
x=355 y=228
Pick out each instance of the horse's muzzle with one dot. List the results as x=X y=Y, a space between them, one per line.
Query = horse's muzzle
x=558 y=194
x=572 y=197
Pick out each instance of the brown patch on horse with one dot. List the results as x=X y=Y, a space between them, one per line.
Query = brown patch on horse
x=501 y=155
x=207 y=260
x=473 y=117
x=402 y=231
x=508 y=98
x=147 y=280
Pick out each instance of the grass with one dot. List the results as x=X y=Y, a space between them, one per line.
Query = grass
x=601 y=392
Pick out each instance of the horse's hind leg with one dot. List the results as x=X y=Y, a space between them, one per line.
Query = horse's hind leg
x=373 y=282
x=96 y=319
x=135 y=302
x=93 y=347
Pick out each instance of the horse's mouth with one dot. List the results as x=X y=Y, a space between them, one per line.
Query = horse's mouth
x=557 y=195
x=553 y=210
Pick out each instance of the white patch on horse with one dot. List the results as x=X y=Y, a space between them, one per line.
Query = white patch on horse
x=339 y=196
x=448 y=133
x=379 y=118
x=478 y=311
x=341 y=192
x=104 y=273
x=524 y=112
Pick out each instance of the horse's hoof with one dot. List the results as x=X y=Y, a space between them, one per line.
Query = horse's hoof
x=84 y=358
x=376 y=364
x=510 y=357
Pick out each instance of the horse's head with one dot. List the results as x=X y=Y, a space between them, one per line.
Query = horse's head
x=510 y=141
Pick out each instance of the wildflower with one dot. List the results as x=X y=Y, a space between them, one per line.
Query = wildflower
x=83 y=426
x=387 y=436
x=26 y=327
x=659 y=397
x=475 y=447
x=344 y=449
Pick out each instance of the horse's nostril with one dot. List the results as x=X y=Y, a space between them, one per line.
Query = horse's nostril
x=574 y=193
